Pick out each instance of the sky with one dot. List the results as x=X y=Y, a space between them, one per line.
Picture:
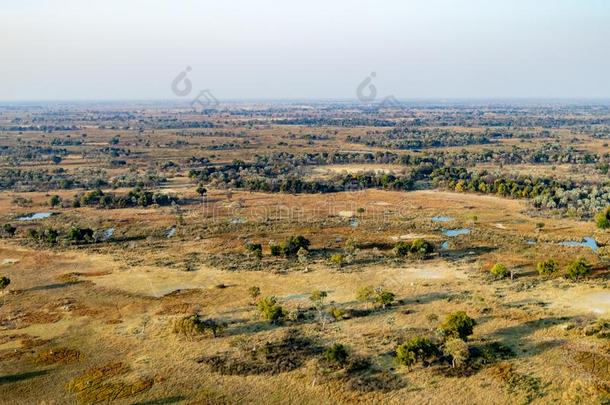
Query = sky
x=315 y=49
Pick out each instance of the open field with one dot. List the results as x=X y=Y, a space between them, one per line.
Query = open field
x=141 y=218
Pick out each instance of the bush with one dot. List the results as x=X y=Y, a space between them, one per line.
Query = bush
x=255 y=249
x=55 y=201
x=270 y=310
x=80 y=234
x=603 y=219
x=254 y=292
x=336 y=354
x=338 y=260
x=194 y=325
x=421 y=248
x=365 y=294
x=383 y=297
x=401 y=249
x=302 y=255
x=416 y=349
x=457 y=349
x=9 y=230
x=378 y=296
x=578 y=269
x=457 y=325
x=499 y=270
x=317 y=297
x=276 y=250
x=418 y=248
x=291 y=246
x=4 y=282
x=547 y=267
x=252 y=247
x=337 y=313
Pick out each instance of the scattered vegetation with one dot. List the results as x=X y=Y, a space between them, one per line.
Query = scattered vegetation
x=457 y=325
x=578 y=269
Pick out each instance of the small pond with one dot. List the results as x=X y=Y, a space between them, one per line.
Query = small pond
x=442 y=219
x=33 y=217
x=586 y=242
x=456 y=232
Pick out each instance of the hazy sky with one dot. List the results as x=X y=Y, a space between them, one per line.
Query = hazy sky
x=133 y=49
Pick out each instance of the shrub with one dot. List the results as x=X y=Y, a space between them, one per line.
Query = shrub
x=9 y=230
x=291 y=246
x=458 y=350
x=603 y=219
x=421 y=248
x=270 y=310
x=201 y=190
x=80 y=234
x=416 y=349
x=302 y=254
x=276 y=250
x=547 y=267
x=55 y=201
x=383 y=297
x=401 y=249
x=337 y=259
x=365 y=294
x=254 y=292
x=337 y=313
x=457 y=325
x=578 y=269
x=336 y=354
x=317 y=297
x=194 y=325
x=255 y=249
x=4 y=282
x=499 y=270
x=377 y=296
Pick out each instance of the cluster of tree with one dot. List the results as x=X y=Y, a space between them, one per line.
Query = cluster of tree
x=582 y=200
x=454 y=332
x=419 y=248
x=252 y=178
x=347 y=122
x=418 y=138
x=19 y=153
x=135 y=198
x=292 y=246
x=49 y=236
x=575 y=270
x=194 y=325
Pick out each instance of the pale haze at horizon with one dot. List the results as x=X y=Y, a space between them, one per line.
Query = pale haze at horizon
x=264 y=49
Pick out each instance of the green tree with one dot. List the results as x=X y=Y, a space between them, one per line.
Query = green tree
x=291 y=246
x=547 y=267
x=336 y=354
x=254 y=292
x=499 y=270
x=317 y=297
x=337 y=259
x=4 y=282
x=416 y=349
x=421 y=248
x=201 y=190
x=578 y=269
x=402 y=248
x=9 y=230
x=55 y=201
x=458 y=350
x=603 y=219
x=457 y=325
x=270 y=310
